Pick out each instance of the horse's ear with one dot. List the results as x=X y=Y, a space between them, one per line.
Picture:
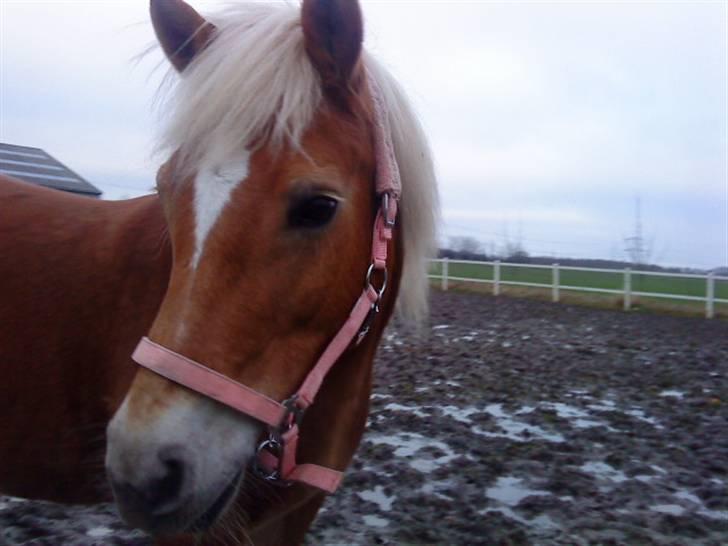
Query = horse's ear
x=333 y=32
x=181 y=31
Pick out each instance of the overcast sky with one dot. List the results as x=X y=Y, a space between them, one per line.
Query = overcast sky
x=547 y=119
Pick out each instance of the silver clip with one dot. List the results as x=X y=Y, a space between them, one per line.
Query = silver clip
x=388 y=222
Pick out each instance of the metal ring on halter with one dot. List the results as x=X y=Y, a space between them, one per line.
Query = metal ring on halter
x=276 y=448
x=368 y=281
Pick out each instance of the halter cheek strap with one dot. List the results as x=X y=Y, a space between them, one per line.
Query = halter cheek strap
x=275 y=459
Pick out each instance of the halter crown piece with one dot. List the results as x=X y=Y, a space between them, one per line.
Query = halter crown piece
x=275 y=459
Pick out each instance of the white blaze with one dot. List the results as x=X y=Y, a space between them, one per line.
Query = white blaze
x=214 y=183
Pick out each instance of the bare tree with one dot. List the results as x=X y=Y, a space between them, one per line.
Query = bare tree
x=465 y=245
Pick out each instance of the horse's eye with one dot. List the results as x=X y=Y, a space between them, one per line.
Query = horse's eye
x=312 y=212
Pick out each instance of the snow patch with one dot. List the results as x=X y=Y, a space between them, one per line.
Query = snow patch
x=581 y=419
x=378 y=497
x=461 y=415
x=641 y=416
x=513 y=429
x=672 y=509
x=434 y=487
x=672 y=394
x=99 y=532
x=375 y=521
x=508 y=490
x=409 y=443
x=416 y=410
x=603 y=471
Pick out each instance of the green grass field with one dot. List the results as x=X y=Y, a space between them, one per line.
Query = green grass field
x=586 y=279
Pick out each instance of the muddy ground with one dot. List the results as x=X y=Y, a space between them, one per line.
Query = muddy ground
x=515 y=422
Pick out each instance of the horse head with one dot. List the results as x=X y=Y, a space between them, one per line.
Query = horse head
x=269 y=195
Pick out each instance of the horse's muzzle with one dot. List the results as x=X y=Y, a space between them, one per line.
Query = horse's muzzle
x=160 y=496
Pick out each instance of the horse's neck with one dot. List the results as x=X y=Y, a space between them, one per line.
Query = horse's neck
x=138 y=276
x=97 y=270
x=82 y=283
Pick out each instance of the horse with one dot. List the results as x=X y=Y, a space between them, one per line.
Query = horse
x=244 y=272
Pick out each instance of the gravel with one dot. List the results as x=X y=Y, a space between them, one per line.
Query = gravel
x=514 y=422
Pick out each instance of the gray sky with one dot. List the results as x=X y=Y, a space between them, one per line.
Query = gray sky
x=547 y=119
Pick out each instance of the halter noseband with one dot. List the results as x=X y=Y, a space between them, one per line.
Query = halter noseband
x=275 y=459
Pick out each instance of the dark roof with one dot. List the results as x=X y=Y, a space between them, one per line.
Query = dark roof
x=37 y=167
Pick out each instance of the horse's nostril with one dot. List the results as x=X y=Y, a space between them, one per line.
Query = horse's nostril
x=163 y=494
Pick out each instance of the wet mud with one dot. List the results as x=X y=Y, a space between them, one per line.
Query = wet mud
x=514 y=422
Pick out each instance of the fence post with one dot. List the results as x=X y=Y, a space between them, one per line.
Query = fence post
x=710 y=296
x=627 y=288
x=443 y=281
x=555 y=287
x=496 y=278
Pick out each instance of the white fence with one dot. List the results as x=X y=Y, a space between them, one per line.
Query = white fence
x=626 y=290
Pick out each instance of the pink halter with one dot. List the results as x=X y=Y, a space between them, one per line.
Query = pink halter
x=276 y=456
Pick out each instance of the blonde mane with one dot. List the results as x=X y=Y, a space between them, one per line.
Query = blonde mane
x=255 y=77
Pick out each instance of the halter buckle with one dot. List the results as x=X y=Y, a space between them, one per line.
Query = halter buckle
x=293 y=415
x=388 y=221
